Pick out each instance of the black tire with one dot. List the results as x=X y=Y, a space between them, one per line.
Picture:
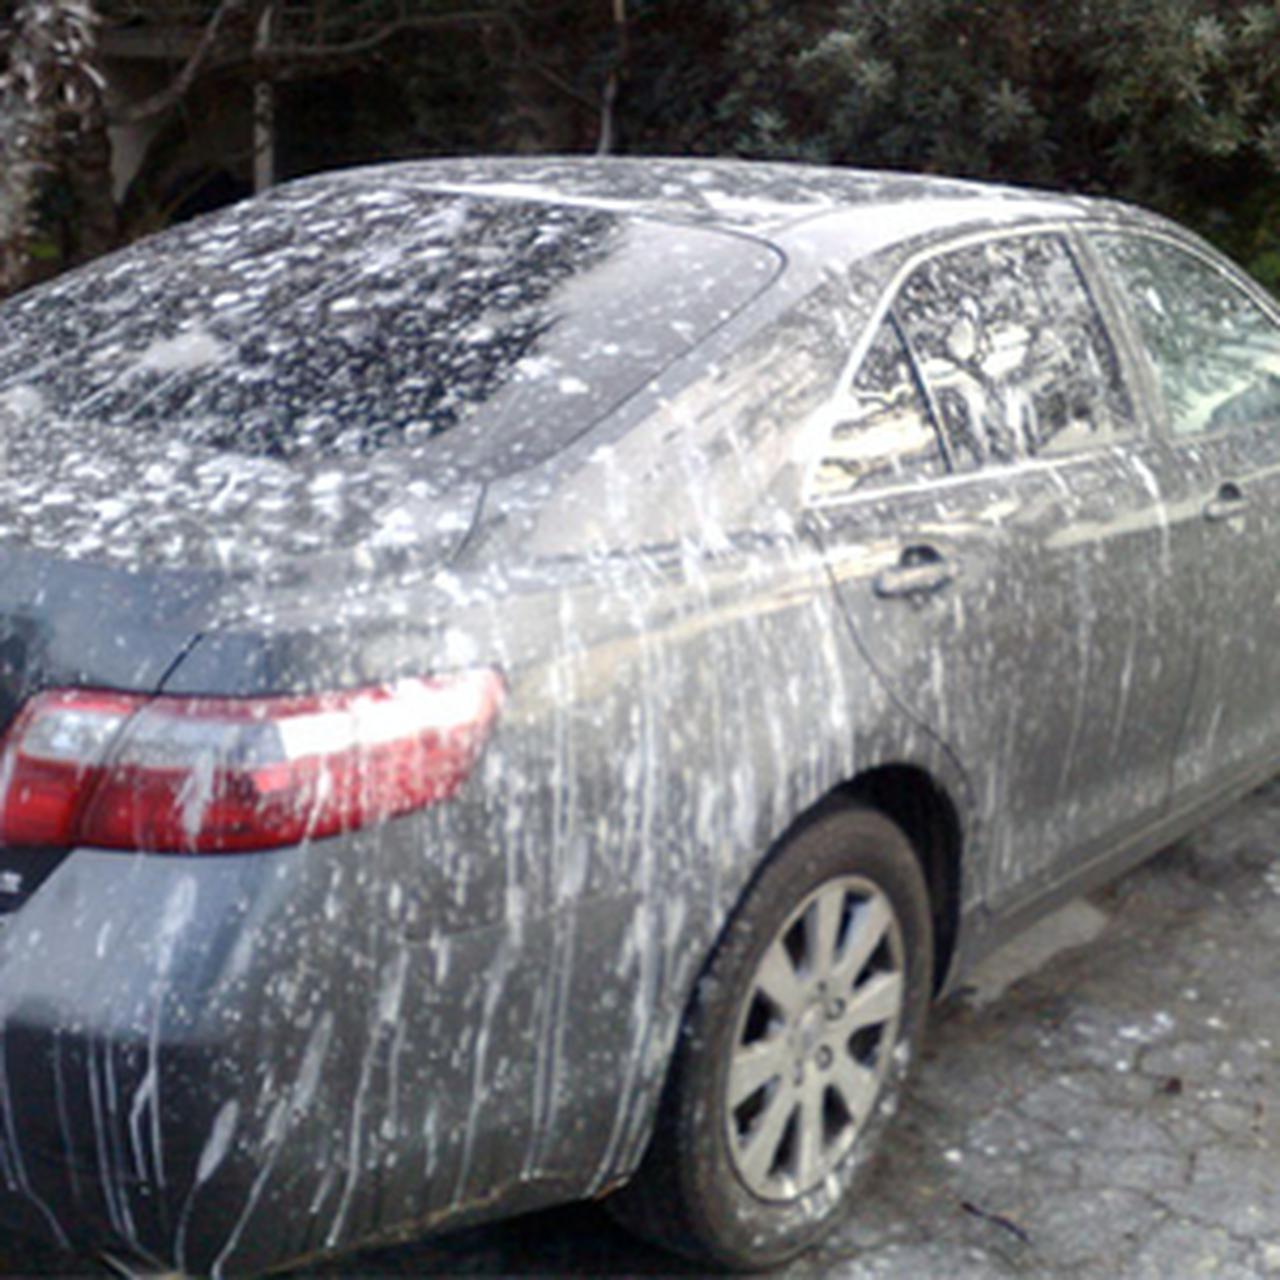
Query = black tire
x=728 y=1179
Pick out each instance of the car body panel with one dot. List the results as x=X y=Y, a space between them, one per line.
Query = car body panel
x=224 y=1063
x=514 y=1071
x=1057 y=570
x=1234 y=472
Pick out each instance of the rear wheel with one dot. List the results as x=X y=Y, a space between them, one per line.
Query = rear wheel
x=794 y=1050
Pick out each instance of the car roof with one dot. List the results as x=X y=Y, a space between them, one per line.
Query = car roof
x=749 y=197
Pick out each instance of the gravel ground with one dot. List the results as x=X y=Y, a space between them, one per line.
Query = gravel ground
x=1107 y=1110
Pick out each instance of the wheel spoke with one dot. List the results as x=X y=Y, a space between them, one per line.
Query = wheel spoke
x=809 y=1146
x=871 y=922
x=758 y=1152
x=822 y=930
x=856 y=1086
x=812 y=1035
x=754 y=1065
x=778 y=979
x=878 y=1000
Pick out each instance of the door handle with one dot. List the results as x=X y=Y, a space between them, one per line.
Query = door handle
x=1228 y=503
x=921 y=570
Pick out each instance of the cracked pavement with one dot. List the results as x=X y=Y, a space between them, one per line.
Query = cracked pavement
x=1112 y=1112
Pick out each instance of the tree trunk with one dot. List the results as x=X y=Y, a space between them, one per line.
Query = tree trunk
x=56 y=204
x=86 y=167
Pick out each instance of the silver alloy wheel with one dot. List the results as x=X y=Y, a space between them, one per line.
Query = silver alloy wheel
x=814 y=1039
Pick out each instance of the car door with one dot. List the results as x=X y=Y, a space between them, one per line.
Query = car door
x=998 y=527
x=1215 y=349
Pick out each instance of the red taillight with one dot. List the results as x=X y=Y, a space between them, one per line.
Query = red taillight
x=208 y=775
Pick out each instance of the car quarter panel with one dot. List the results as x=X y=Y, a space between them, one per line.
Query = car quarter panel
x=461 y=1012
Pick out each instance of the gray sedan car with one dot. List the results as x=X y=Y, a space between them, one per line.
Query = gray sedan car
x=523 y=679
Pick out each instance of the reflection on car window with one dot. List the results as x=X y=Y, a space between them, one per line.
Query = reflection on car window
x=887 y=435
x=1014 y=351
x=1216 y=353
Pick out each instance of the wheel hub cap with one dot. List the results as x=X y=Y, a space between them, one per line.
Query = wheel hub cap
x=814 y=1038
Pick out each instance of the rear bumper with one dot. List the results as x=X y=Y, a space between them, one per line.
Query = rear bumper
x=206 y=1064
x=149 y=1028
x=92 y=1174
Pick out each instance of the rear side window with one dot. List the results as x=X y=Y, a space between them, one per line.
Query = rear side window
x=335 y=318
x=1215 y=351
x=1014 y=352
x=885 y=435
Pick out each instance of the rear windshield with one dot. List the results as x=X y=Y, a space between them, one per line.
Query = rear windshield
x=334 y=319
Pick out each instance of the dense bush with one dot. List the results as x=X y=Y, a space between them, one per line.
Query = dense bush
x=1172 y=103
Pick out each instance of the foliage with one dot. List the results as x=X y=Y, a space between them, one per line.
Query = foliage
x=49 y=103
x=1173 y=103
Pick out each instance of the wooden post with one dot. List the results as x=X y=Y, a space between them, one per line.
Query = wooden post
x=609 y=98
x=264 y=106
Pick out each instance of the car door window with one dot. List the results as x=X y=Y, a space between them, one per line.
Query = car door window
x=1014 y=351
x=885 y=434
x=1215 y=351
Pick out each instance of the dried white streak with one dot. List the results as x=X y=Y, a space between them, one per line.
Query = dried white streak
x=494 y=988
x=219 y=1141
x=384 y=1015
x=176 y=916
x=390 y=1001
x=272 y=1144
x=117 y=1208
x=285 y=1112
x=563 y=788
x=13 y=1166
x=644 y=927
x=64 y=1119
x=1082 y=689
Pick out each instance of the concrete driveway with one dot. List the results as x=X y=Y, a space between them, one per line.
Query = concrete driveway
x=1105 y=1102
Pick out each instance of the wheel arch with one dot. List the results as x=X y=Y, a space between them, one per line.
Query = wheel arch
x=904 y=795
x=913 y=799
x=909 y=795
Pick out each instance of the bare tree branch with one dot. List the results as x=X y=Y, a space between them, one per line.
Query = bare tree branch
x=167 y=98
x=286 y=56
x=285 y=60
x=558 y=82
